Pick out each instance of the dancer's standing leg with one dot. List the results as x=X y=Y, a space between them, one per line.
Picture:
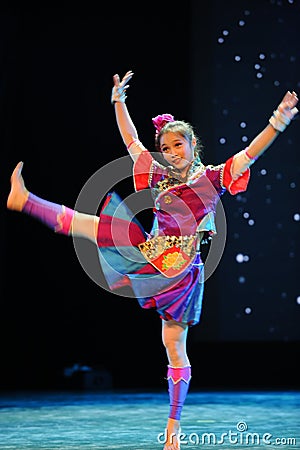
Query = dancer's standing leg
x=174 y=336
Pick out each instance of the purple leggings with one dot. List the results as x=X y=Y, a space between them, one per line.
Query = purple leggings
x=57 y=217
x=178 y=381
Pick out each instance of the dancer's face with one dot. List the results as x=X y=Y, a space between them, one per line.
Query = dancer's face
x=177 y=151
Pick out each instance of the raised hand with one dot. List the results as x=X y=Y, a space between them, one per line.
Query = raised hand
x=288 y=104
x=285 y=112
x=119 y=88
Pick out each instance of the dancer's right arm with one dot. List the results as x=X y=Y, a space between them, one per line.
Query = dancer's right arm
x=126 y=126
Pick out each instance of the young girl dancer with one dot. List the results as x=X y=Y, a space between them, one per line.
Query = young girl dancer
x=163 y=267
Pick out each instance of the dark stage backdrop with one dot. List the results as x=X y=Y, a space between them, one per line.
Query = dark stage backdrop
x=222 y=66
x=251 y=57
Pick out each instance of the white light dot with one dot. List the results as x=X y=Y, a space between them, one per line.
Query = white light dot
x=243 y=125
x=248 y=310
x=246 y=258
x=246 y=215
x=259 y=75
x=276 y=83
x=237 y=58
x=225 y=32
x=256 y=66
x=262 y=56
x=220 y=40
x=239 y=258
x=241 y=23
x=263 y=172
x=298 y=300
x=242 y=280
x=251 y=222
x=222 y=140
x=297 y=217
x=244 y=138
x=292 y=185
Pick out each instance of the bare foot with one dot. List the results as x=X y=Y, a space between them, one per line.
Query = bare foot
x=18 y=192
x=173 y=430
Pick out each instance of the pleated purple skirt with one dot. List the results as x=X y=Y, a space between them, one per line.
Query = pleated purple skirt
x=122 y=263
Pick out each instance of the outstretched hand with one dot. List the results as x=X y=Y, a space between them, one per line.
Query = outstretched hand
x=119 y=89
x=128 y=75
x=288 y=104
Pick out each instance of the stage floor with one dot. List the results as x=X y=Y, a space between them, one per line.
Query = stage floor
x=136 y=420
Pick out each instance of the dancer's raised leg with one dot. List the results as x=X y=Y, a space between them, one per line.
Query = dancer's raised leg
x=59 y=218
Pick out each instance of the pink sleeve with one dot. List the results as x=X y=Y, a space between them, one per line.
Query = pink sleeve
x=234 y=186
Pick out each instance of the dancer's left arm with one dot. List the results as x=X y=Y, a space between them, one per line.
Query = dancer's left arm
x=282 y=117
x=278 y=122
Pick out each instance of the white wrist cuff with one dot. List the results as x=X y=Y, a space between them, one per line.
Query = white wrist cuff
x=279 y=121
x=118 y=95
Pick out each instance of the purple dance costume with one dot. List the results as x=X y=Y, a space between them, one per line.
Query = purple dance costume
x=164 y=268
